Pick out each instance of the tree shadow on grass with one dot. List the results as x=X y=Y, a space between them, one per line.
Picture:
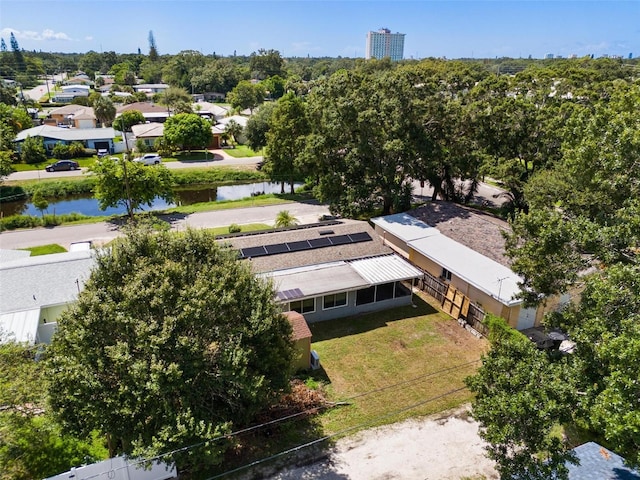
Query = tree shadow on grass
x=354 y=325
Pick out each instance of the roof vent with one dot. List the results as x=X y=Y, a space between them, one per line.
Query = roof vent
x=326 y=232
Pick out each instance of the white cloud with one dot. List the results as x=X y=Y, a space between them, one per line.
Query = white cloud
x=46 y=35
x=304 y=47
x=89 y=38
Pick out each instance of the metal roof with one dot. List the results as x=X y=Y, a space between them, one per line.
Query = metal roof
x=485 y=274
x=21 y=327
x=385 y=269
x=404 y=226
x=315 y=280
x=333 y=277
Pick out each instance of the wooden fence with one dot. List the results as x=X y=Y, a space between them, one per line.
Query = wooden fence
x=454 y=302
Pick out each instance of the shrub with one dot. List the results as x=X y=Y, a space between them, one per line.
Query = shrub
x=61 y=151
x=142 y=147
x=235 y=228
x=14 y=222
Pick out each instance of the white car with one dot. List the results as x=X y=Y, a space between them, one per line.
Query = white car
x=149 y=159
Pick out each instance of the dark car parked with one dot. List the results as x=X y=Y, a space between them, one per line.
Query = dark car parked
x=62 y=165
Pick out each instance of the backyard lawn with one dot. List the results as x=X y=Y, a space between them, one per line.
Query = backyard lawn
x=419 y=353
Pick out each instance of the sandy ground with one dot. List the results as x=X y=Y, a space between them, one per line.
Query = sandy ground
x=444 y=446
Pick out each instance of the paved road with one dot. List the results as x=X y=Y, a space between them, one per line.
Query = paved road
x=106 y=231
x=217 y=158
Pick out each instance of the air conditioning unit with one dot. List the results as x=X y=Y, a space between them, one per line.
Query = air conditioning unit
x=315 y=360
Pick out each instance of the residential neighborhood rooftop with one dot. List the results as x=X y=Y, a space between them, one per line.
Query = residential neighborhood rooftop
x=315 y=256
x=477 y=230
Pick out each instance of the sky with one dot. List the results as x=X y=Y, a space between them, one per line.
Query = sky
x=318 y=28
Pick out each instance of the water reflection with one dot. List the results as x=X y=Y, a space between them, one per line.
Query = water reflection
x=88 y=205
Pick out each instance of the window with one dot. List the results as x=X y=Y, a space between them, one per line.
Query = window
x=384 y=292
x=366 y=295
x=303 y=306
x=446 y=274
x=335 y=300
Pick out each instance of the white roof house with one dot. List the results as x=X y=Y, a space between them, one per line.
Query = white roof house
x=120 y=468
x=67 y=134
x=34 y=290
x=485 y=274
x=239 y=119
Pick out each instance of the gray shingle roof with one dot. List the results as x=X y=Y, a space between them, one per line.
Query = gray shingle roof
x=598 y=463
x=67 y=134
x=475 y=229
x=311 y=257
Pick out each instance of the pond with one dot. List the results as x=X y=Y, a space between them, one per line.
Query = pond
x=87 y=205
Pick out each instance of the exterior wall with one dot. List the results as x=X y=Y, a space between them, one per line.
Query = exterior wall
x=475 y=295
x=302 y=354
x=321 y=314
x=392 y=241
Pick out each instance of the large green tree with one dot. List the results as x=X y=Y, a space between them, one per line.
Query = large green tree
x=520 y=396
x=172 y=342
x=363 y=141
x=583 y=233
x=258 y=125
x=187 y=131
x=246 y=95
x=131 y=184
x=32 y=444
x=127 y=119
x=286 y=139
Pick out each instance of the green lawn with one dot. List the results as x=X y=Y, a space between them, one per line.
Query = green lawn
x=241 y=151
x=249 y=227
x=410 y=350
x=45 y=249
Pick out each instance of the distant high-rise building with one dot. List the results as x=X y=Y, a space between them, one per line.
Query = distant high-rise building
x=383 y=43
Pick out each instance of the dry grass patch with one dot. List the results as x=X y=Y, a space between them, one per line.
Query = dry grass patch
x=386 y=362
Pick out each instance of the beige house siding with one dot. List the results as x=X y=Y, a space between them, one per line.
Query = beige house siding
x=302 y=355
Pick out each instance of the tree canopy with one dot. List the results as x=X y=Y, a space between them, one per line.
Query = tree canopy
x=173 y=341
x=130 y=184
x=187 y=131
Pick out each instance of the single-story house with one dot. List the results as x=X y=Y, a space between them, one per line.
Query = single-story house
x=301 y=336
x=82 y=79
x=148 y=132
x=69 y=92
x=210 y=110
x=120 y=468
x=97 y=138
x=77 y=116
x=239 y=119
x=150 y=111
x=598 y=463
x=150 y=88
x=462 y=253
x=34 y=291
x=329 y=270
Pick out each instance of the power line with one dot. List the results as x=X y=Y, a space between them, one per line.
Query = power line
x=339 y=433
x=298 y=414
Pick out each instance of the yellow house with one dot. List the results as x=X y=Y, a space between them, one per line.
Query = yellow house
x=468 y=281
x=301 y=336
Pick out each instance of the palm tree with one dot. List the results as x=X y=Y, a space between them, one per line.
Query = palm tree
x=105 y=111
x=285 y=219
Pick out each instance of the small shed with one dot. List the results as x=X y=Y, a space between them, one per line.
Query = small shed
x=301 y=336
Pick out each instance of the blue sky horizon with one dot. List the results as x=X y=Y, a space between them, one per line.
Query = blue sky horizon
x=327 y=28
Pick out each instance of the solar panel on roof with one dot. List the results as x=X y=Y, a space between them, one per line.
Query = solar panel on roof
x=298 y=246
x=320 y=242
x=276 y=248
x=360 y=237
x=290 y=294
x=340 y=240
x=254 y=252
